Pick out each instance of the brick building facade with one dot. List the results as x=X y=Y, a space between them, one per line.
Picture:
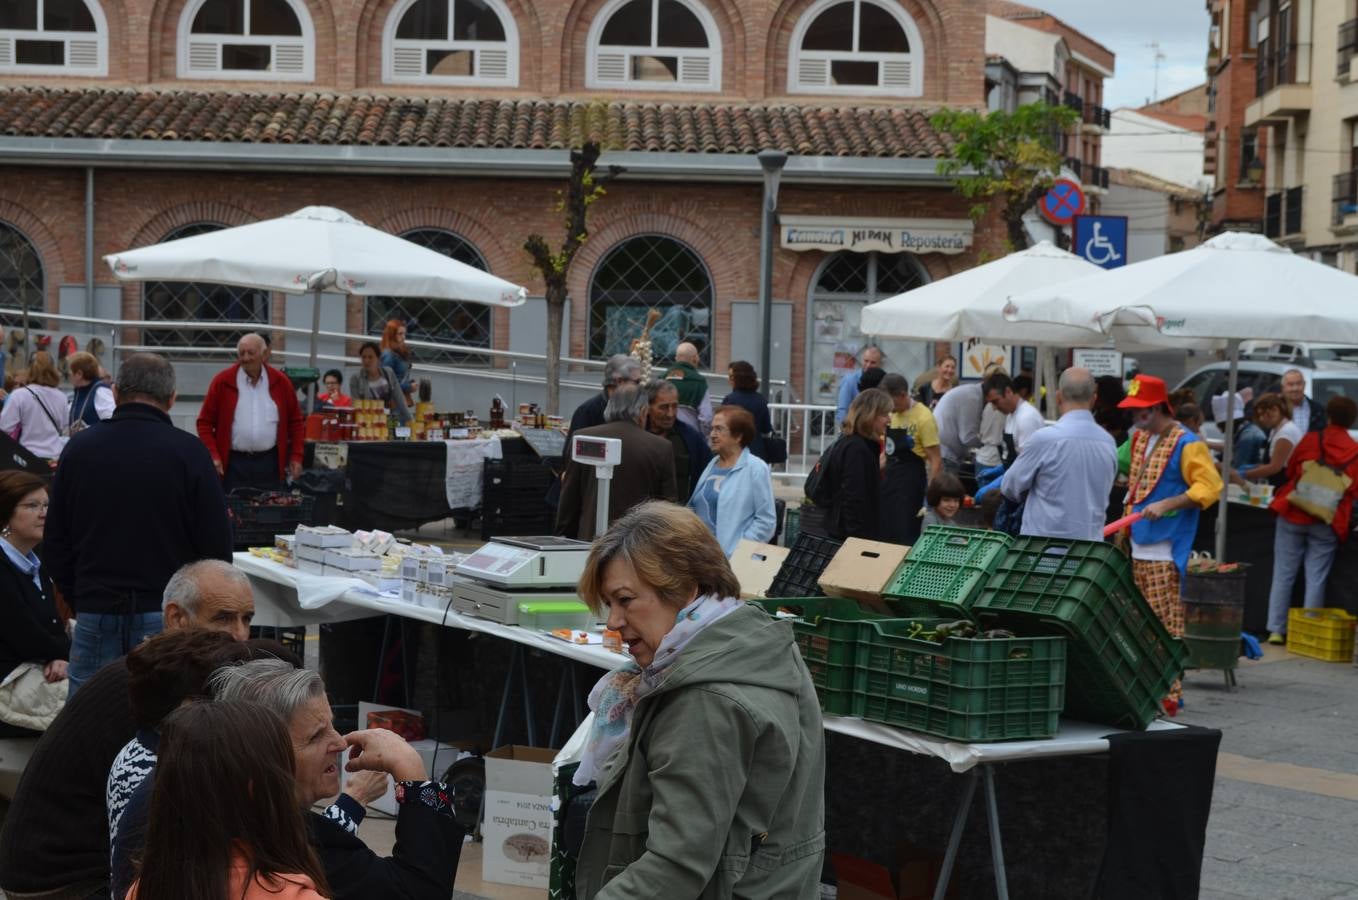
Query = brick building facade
x=1232 y=53
x=449 y=121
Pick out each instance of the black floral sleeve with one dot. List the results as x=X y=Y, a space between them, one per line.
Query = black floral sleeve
x=434 y=794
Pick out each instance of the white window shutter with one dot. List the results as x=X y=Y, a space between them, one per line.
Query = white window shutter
x=407 y=62
x=492 y=65
x=896 y=73
x=695 y=70
x=610 y=68
x=82 y=54
x=289 y=59
x=6 y=51
x=813 y=72
x=204 y=57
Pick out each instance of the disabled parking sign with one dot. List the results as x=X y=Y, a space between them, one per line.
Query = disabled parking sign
x=1101 y=240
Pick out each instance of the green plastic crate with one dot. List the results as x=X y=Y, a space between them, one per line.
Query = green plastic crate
x=1122 y=660
x=945 y=570
x=841 y=703
x=966 y=689
x=827 y=629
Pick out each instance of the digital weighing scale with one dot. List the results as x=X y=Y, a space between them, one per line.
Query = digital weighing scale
x=492 y=581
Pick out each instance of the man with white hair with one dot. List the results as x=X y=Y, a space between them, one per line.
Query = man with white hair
x=695 y=400
x=1066 y=471
x=56 y=839
x=251 y=421
x=619 y=370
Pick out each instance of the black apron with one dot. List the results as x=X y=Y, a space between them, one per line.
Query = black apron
x=903 y=485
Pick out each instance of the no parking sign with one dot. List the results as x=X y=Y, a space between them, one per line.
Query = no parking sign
x=1063 y=202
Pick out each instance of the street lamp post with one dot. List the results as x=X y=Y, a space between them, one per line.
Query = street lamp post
x=772 y=162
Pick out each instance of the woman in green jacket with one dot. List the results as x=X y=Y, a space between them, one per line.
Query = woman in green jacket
x=708 y=747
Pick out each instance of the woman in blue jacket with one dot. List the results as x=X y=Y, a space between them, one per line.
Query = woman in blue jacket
x=734 y=495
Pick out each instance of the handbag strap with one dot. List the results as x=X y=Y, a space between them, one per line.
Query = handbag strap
x=51 y=418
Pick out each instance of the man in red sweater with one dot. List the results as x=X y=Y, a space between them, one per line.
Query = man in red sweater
x=251 y=421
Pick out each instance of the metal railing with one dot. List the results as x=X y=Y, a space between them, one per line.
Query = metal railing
x=808 y=429
x=1273 y=215
x=1345 y=196
x=1096 y=176
x=1094 y=114
x=1275 y=66
x=1292 y=210
x=1074 y=101
x=1074 y=165
x=506 y=370
x=1348 y=47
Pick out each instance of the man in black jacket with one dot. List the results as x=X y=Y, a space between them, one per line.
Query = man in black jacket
x=132 y=501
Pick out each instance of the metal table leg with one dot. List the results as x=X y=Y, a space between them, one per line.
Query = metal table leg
x=514 y=660
x=959 y=824
x=996 y=848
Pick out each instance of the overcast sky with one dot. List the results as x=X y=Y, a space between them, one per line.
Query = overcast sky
x=1126 y=27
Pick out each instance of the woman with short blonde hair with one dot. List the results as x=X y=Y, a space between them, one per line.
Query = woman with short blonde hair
x=707 y=746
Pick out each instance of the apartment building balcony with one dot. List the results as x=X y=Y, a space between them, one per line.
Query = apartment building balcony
x=1344 y=197
x=1095 y=180
x=1074 y=101
x=1074 y=165
x=1282 y=213
x=1346 y=68
x=1279 y=94
x=1096 y=119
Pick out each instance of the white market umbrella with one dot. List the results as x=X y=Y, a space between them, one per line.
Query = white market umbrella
x=1234 y=287
x=311 y=250
x=971 y=303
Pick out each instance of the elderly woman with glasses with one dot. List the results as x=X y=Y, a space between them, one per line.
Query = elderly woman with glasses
x=734 y=495
x=707 y=746
x=31 y=631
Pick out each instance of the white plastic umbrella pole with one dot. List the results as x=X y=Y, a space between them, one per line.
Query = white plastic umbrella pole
x=1229 y=428
x=311 y=358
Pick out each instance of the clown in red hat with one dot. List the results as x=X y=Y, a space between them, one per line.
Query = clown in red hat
x=1171 y=478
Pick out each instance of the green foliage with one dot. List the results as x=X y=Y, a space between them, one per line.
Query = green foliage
x=1008 y=157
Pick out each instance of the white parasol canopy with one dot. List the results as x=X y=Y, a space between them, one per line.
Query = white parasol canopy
x=316 y=248
x=970 y=304
x=1234 y=287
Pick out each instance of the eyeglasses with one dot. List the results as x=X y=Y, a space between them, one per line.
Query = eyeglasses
x=39 y=505
x=719 y=429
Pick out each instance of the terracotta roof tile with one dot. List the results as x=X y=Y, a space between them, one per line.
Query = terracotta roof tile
x=683 y=127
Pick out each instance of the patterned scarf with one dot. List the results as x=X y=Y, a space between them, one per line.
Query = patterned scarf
x=1145 y=473
x=615 y=697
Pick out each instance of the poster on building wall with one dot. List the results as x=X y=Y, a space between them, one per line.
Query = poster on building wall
x=836 y=342
x=624 y=324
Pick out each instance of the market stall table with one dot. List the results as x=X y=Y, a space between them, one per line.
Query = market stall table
x=976 y=761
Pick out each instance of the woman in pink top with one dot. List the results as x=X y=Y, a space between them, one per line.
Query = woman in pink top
x=224 y=823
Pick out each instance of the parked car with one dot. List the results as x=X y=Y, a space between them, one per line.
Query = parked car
x=1323 y=381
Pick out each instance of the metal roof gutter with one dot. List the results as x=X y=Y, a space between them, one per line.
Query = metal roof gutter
x=453 y=161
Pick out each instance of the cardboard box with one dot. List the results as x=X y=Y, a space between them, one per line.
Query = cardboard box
x=352 y=560
x=861 y=570
x=756 y=565
x=309 y=553
x=438 y=571
x=323 y=536
x=413 y=568
x=311 y=568
x=517 y=830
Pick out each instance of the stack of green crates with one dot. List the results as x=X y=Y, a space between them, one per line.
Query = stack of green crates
x=1122 y=660
x=946 y=570
x=890 y=670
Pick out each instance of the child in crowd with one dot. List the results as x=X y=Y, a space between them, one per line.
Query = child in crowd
x=944 y=496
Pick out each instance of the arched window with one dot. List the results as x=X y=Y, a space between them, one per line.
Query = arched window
x=440 y=321
x=168 y=301
x=53 y=37
x=645 y=273
x=21 y=279
x=262 y=40
x=845 y=284
x=856 y=47
x=654 y=45
x=451 y=42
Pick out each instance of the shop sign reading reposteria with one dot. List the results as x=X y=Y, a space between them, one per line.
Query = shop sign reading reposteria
x=832 y=233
